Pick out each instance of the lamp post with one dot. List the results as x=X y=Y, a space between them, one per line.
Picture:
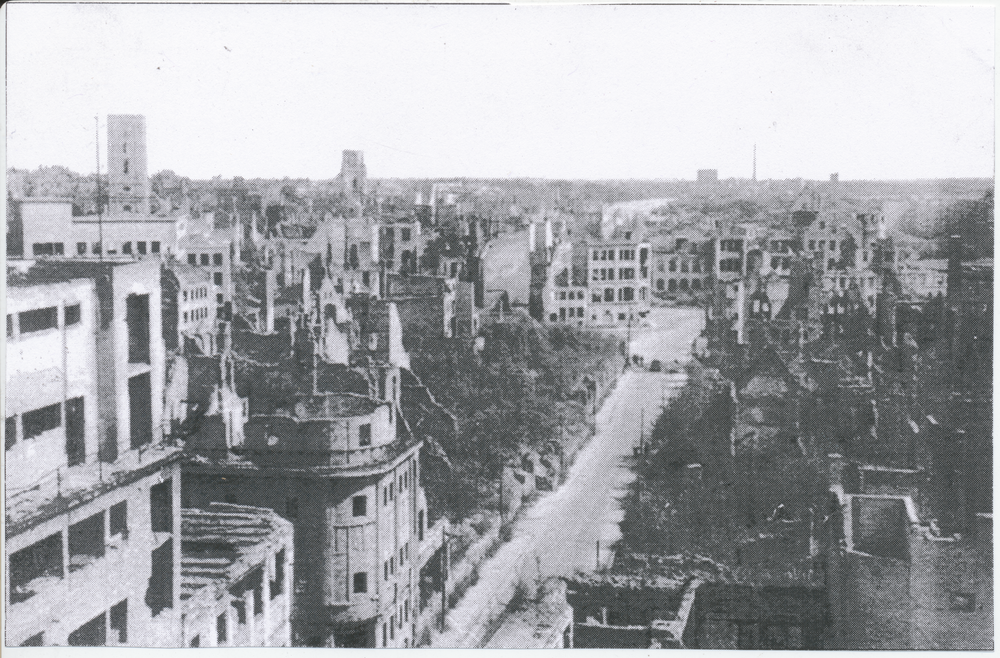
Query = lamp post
x=628 y=342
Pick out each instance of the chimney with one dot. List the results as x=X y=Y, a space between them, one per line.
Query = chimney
x=835 y=178
x=531 y=237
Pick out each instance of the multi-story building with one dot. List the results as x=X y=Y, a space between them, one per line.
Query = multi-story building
x=211 y=252
x=683 y=264
x=564 y=297
x=401 y=243
x=191 y=290
x=618 y=277
x=51 y=229
x=344 y=468
x=93 y=490
x=124 y=227
x=353 y=173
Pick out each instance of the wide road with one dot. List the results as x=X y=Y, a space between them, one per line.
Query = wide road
x=562 y=530
x=568 y=523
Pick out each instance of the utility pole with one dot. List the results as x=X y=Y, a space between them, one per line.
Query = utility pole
x=100 y=214
x=628 y=342
x=642 y=427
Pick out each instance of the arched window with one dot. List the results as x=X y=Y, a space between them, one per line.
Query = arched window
x=659 y=284
x=672 y=285
x=684 y=284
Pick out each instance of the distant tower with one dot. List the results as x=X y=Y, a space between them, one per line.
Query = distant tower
x=128 y=182
x=755 y=162
x=353 y=172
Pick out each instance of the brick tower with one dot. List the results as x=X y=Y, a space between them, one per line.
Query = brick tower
x=128 y=182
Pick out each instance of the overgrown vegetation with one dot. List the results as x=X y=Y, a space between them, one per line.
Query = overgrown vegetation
x=516 y=393
x=693 y=500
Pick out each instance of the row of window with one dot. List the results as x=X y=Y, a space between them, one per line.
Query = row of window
x=205 y=259
x=396 y=621
x=731 y=265
x=608 y=273
x=731 y=245
x=404 y=233
x=684 y=264
x=36 y=422
x=680 y=243
x=389 y=566
x=197 y=293
x=40 y=319
x=672 y=285
x=626 y=294
x=106 y=629
x=572 y=294
x=822 y=245
x=196 y=314
x=566 y=312
x=142 y=247
x=86 y=542
x=609 y=254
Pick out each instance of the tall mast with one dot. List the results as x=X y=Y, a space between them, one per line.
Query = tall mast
x=100 y=213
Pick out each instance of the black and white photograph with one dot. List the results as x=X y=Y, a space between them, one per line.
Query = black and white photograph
x=509 y=326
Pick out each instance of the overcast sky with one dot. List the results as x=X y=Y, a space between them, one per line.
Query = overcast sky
x=556 y=92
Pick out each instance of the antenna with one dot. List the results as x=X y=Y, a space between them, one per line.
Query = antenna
x=100 y=214
x=755 y=162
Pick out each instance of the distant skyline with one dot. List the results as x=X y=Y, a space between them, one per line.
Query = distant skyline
x=568 y=92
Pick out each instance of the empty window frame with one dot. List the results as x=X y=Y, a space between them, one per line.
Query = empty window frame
x=72 y=314
x=277 y=585
x=43 y=559
x=161 y=506
x=221 y=629
x=118 y=519
x=41 y=420
x=92 y=634
x=359 y=505
x=360 y=583
x=86 y=541
x=118 y=623
x=38 y=319
x=160 y=593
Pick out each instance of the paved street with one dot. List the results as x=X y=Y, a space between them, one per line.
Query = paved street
x=562 y=529
x=567 y=524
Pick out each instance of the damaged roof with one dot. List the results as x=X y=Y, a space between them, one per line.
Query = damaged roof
x=223 y=543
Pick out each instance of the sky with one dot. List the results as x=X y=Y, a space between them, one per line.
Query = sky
x=578 y=91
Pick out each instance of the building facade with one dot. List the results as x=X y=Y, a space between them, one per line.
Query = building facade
x=93 y=490
x=618 y=277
